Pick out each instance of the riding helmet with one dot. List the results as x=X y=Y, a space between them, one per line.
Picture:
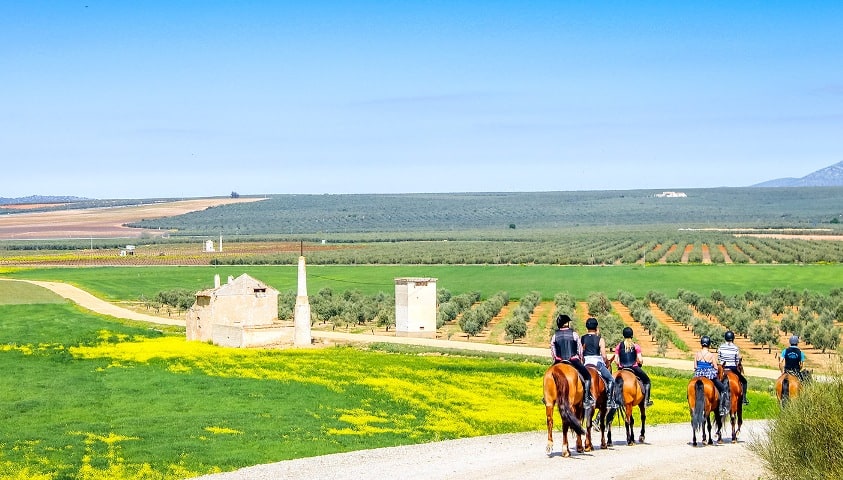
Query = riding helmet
x=794 y=340
x=729 y=336
x=705 y=341
x=591 y=324
x=627 y=332
x=562 y=320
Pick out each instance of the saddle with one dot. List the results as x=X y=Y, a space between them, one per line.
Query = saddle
x=640 y=383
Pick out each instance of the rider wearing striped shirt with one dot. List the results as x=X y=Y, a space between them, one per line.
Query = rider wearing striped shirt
x=705 y=365
x=730 y=357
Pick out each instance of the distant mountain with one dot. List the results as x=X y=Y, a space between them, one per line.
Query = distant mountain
x=827 y=177
x=40 y=199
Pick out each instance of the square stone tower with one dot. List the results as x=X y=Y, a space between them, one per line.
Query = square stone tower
x=415 y=307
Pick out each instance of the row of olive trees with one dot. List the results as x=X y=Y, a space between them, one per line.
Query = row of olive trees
x=342 y=310
x=640 y=311
x=450 y=307
x=515 y=325
x=475 y=319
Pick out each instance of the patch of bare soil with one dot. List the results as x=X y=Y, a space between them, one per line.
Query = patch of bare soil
x=706 y=253
x=726 y=257
x=668 y=252
x=100 y=222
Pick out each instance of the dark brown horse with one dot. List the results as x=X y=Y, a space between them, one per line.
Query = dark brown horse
x=628 y=394
x=564 y=390
x=598 y=390
x=736 y=394
x=703 y=400
x=787 y=387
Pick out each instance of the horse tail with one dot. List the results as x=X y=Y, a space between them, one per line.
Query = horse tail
x=698 y=416
x=565 y=410
x=785 y=388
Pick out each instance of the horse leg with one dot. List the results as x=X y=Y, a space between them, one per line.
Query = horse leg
x=602 y=421
x=589 y=414
x=643 y=422
x=708 y=426
x=549 y=413
x=630 y=426
x=566 y=452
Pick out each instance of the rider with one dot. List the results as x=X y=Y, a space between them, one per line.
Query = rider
x=594 y=353
x=730 y=357
x=791 y=359
x=628 y=355
x=565 y=347
x=705 y=365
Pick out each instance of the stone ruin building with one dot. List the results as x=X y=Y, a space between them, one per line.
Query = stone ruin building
x=240 y=313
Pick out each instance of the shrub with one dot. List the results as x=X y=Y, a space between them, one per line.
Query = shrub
x=805 y=440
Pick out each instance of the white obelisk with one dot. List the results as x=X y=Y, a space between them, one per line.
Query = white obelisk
x=302 y=335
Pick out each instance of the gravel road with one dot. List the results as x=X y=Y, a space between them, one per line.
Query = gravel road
x=666 y=455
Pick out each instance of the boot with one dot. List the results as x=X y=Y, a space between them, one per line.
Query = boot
x=588 y=398
x=725 y=402
x=745 y=400
x=647 y=400
x=610 y=395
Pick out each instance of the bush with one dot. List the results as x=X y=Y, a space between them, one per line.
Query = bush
x=805 y=441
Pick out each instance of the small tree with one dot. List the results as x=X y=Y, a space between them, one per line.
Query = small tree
x=515 y=328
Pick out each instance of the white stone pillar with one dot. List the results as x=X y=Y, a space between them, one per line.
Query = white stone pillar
x=302 y=336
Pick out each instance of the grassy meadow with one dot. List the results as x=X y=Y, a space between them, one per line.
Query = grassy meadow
x=92 y=397
x=134 y=283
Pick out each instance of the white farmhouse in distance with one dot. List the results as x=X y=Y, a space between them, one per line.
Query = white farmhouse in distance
x=671 y=195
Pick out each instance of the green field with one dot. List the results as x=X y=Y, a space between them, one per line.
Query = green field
x=133 y=283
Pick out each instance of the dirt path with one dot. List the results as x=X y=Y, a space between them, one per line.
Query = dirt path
x=666 y=455
x=86 y=300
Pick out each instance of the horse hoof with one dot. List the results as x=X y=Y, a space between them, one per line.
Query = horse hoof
x=588 y=449
x=641 y=439
x=734 y=440
x=548 y=449
x=566 y=454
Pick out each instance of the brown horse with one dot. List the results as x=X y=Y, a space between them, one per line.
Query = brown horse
x=787 y=387
x=736 y=394
x=629 y=393
x=563 y=389
x=598 y=390
x=703 y=400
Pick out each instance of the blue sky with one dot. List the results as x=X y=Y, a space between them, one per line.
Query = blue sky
x=187 y=99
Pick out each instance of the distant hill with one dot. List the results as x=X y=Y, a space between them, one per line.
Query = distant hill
x=40 y=199
x=827 y=177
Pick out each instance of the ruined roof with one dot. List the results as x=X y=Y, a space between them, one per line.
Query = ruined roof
x=242 y=285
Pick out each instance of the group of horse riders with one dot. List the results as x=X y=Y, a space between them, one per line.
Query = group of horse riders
x=590 y=349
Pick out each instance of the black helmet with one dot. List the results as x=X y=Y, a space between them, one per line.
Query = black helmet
x=729 y=336
x=705 y=341
x=562 y=320
x=627 y=332
x=591 y=323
